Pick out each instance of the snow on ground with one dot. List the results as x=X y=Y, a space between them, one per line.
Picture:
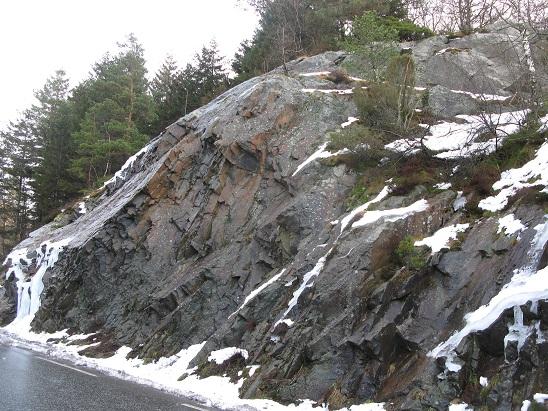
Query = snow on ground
x=452 y=140
x=443 y=237
x=224 y=354
x=526 y=285
x=534 y=173
x=164 y=374
x=319 y=153
x=350 y=121
x=257 y=291
x=510 y=225
x=395 y=214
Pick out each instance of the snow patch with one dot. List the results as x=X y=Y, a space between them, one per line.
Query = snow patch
x=534 y=173
x=543 y=124
x=319 y=153
x=328 y=91
x=125 y=170
x=442 y=238
x=482 y=97
x=82 y=208
x=257 y=291
x=451 y=140
x=510 y=225
x=349 y=122
x=443 y=186
x=460 y=407
x=307 y=283
x=225 y=354
x=395 y=214
x=361 y=209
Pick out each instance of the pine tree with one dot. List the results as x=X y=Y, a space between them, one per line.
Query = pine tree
x=53 y=185
x=210 y=76
x=20 y=156
x=117 y=114
x=170 y=94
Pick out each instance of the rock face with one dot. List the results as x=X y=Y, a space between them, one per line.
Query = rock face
x=216 y=206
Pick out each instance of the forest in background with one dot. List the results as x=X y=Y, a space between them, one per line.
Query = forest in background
x=73 y=139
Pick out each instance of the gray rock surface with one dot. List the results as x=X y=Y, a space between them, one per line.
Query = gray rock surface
x=167 y=253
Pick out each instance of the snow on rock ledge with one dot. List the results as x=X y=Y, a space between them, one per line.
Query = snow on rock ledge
x=534 y=173
x=443 y=237
x=225 y=354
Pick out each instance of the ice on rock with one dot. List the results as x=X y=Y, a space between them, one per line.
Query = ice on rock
x=540 y=398
x=517 y=331
x=460 y=202
x=443 y=237
x=29 y=290
x=482 y=97
x=225 y=354
x=526 y=285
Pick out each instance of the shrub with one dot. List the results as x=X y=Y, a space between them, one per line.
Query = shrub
x=407 y=30
x=409 y=255
x=366 y=145
x=374 y=41
x=338 y=77
x=390 y=105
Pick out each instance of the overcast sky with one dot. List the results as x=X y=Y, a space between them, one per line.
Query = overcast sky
x=39 y=36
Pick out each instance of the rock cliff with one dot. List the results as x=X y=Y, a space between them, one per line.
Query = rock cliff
x=232 y=228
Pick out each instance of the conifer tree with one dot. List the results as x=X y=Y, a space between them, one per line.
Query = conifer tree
x=118 y=113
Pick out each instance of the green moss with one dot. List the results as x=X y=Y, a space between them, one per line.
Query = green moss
x=407 y=254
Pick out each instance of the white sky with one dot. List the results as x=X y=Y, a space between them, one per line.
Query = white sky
x=39 y=36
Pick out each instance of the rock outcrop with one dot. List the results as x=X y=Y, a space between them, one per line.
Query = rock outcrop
x=220 y=203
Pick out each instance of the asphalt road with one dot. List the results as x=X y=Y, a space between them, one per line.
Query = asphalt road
x=31 y=381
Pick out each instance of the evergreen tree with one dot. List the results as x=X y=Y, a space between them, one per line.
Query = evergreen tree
x=53 y=185
x=210 y=76
x=170 y=94
x=118 y=114
x=20 y=158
